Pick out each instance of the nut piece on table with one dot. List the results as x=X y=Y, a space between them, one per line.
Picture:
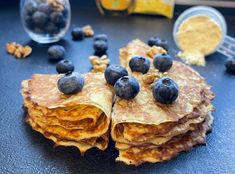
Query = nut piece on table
x=27 y=51
x=155 y=50
x=99 y=64
x=18 y=50
x=11 y=47
x=88 y=31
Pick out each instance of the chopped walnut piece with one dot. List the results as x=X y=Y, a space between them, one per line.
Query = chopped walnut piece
x=99 y=64
x=11 y=47
x=88 y=31
x=155 y=50
x=27 y=51
x=150 y=77
x=56 y=5
x=18 y=50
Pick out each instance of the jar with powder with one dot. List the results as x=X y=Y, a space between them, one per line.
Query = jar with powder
x=198 y=32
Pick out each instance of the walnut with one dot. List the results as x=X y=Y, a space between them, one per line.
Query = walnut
x=27 y=51
x=150 y=77
x=155 y=50
x=11 y=47
x=18 y=50
x=88 y=31
x=94 y=60
x=99 y=64
x=56 y=5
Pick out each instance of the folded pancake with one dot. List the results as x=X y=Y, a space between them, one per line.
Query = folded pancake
x=144 y=125
x=80 y=120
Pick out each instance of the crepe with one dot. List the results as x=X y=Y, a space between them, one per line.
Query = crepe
x=80 y=120
x=146 y=125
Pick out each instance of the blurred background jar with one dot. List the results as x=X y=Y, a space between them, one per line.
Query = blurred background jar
x=45 y=21
x=115 y=7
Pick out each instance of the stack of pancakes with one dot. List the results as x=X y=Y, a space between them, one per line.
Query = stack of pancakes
x=147 y=131
x=80 y=120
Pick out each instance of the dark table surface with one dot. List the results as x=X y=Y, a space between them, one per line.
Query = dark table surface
x=25 y=151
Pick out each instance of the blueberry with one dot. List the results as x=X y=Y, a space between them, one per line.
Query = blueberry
x=127 y=87
x=56 y=52
x=40 y=19
x=71 y=83
x=162 y=62
x=45 y=8
x=30 y=7
x=158 y=42
x=139 y=64
x=29 y=22
x=57 y=18
x=103 y=37
x=100 y=47
x=165 y=90
x=113 y=73
x=51 y=28
x=64 y=66
x=77 y=34
x=230 y=65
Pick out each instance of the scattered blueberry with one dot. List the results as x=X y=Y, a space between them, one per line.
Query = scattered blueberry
x=113 y=73
x=40 y=19
x=71 y=83
x=100 y=47
x=103 y=37
x=56 y=52
x=230 y=65
x=165 y=90
x=127 y=87
x=158 y=42
x=64 y=66
x=162 y=62
x=77 y=34
x=30 y=7
x=139 y=64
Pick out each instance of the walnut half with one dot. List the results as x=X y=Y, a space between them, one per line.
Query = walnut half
x=18 y=50
x=99 y=64
x=155 y=50
x=88 y=31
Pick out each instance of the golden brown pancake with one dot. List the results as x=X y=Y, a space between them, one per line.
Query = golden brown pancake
x=143 y=123
x=80 y=120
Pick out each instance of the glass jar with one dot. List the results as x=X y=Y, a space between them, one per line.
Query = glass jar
x=201 y=11
x=45 y=21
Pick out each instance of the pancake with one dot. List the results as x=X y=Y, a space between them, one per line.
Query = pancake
x=137 y=155
x=143 y=122
x=81 y=120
